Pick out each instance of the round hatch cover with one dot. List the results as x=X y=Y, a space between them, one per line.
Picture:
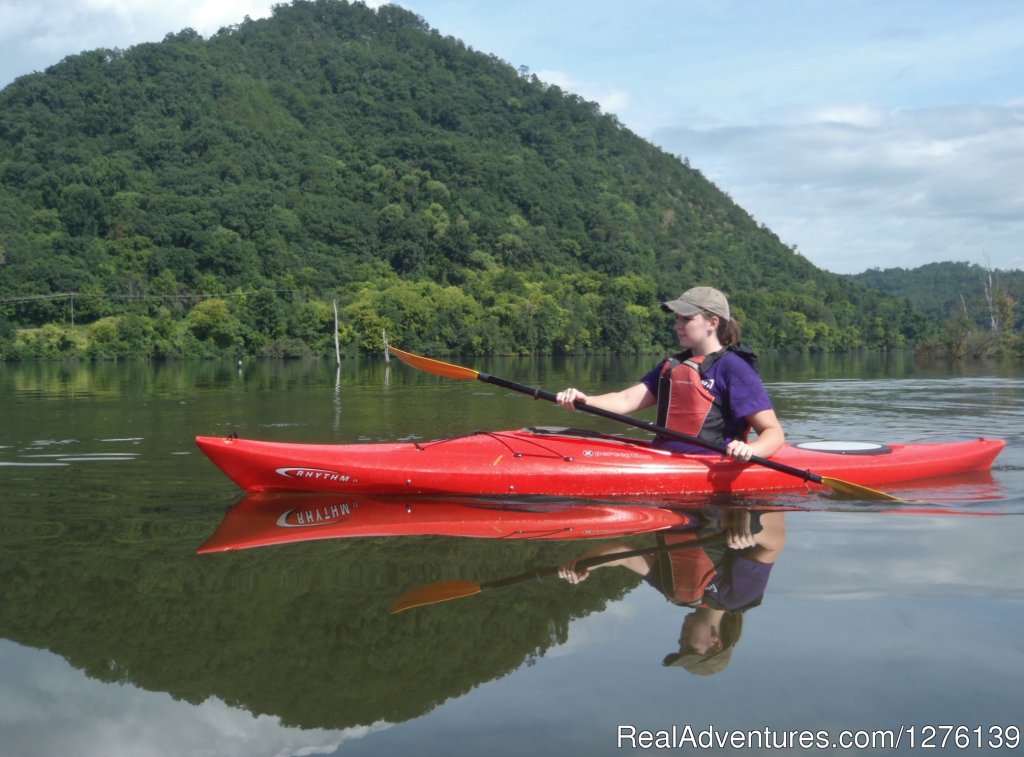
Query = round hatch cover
x=846 y=448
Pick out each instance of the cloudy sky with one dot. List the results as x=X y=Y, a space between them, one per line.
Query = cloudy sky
x=866 y=133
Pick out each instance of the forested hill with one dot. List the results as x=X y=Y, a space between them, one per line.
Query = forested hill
x=945 y=290
x=209 y=196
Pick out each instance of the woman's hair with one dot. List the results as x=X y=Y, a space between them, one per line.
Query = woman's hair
x=728 y=330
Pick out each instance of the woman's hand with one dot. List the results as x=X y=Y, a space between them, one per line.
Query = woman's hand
x=738 y=533
x=739 y=450
x=567 y=572
x=770 y=437
x=567 y=398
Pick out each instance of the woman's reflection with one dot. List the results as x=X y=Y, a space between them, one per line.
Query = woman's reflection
x=721 y=580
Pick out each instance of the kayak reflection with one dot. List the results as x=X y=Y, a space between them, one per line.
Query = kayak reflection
x=266 y=519
x=719 y=578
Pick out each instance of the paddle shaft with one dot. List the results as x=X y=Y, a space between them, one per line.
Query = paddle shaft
x=445 y=591
x=667 y=433
x=586 y=563
x=460 y=372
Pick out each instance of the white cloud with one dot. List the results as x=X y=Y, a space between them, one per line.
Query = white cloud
x=37 y=35
x=616 y=621
x=47 y=707
x=18 y=17
x=205 y=16
x=866 y=116
x=857 y=186
x=211 y=15
x=610 y=99
x=916 y=549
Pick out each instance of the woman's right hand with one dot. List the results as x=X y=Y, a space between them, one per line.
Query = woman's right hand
x=567 y=572
x=568 y=398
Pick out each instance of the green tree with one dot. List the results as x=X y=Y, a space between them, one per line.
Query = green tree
x=212 y=320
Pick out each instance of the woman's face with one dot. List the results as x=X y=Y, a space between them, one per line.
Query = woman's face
x=700 y=634
x=693 y=331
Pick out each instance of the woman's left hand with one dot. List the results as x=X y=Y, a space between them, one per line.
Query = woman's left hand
x=568 y=398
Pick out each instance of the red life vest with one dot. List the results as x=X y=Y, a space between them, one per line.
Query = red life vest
x=685 y=404
x=686 y=576
x=685 y=573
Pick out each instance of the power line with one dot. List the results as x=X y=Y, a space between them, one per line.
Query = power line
x=162 y=297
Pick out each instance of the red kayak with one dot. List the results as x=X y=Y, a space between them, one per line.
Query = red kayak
x=567 y=463
x=260 y=520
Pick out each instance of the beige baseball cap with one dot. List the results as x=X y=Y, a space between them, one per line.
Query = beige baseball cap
x=699 y=300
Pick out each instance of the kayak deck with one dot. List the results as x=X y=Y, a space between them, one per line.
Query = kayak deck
x=563 y=463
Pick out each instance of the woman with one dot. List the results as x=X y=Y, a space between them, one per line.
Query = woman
x=710 y=390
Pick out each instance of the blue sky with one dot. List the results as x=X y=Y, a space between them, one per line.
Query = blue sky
x=865 y=133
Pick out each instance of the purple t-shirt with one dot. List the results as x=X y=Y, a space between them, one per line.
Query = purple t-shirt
x=739 y=586
x=743 y=586
x=734 y=383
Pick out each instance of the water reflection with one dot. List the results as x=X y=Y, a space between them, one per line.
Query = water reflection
x=719 y=567
x=716 y=561
x=264 y=519
x=75 y=379
x=303 y=636
x=114 y=634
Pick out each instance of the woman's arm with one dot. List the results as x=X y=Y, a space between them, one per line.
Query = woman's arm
x=766 y=544
x=771 y=539
x=770 y=437
x=640 y=564
x=624 y=402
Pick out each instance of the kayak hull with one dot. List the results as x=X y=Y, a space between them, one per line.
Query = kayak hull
x=561 y=463
x=265 y=519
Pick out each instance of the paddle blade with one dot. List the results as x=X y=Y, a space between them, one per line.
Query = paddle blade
x=432 y=594
x=856 y=490
x=437 y=367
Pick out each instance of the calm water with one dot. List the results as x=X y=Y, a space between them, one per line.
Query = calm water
x=117 y=639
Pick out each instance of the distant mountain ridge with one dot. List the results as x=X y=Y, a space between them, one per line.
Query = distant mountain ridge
x=210 y=196
x=944 y=290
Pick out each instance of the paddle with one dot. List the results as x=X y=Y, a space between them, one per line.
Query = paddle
x=443 y=591
x=449 y=370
